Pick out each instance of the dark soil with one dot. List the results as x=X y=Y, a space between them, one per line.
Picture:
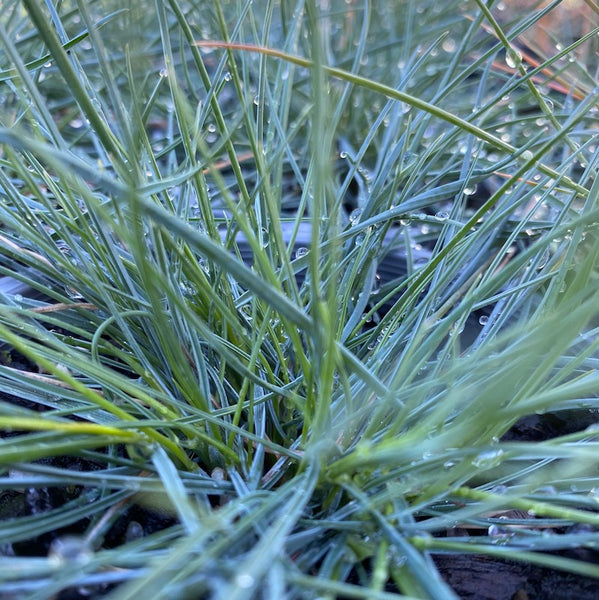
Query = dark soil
x=484 y=578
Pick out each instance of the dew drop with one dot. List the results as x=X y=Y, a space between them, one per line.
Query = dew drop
x=456 y=329
x=62 y=369
x=549 y=103
x=74 y=294
x=488 y=459
x=134 y=531
x=218 y=474
x=69 y=549
x=544 y=259
x=594 y=494
x=355 y=215
x=449 y=45
x=302 y=251
x=527 y=155
x=483 y=320
x=513 y=58
x=400 y=561
x=244 y=580
x=265 y=238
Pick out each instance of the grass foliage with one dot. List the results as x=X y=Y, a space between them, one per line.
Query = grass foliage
x=193 y=312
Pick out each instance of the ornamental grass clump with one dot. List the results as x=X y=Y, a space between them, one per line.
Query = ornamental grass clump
x=285 y=292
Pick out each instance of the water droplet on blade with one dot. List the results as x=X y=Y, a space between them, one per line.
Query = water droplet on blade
x=513 y=58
